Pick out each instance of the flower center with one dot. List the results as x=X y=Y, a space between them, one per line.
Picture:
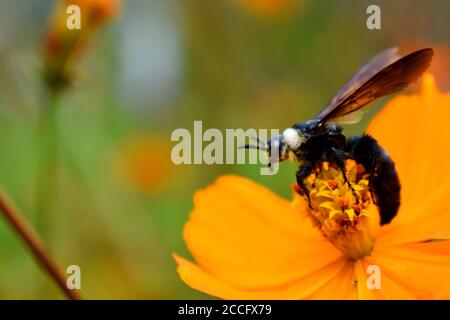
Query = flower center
x=343 y=216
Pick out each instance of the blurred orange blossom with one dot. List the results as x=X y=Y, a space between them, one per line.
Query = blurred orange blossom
x=249 y=243
x=271 y=8
x=62 y=44
x=144 y=163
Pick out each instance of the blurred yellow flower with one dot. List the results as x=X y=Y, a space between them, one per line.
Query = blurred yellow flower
x=145 y=163
x=249 y=243
x=271 y=8
x=62 y=45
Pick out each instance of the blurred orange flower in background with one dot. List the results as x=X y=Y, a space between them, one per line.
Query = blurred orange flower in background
x=61 y=43
x=144 y=163
x=271 y=8
x=249 y=243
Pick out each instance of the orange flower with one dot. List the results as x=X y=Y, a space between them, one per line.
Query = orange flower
x=248 y=243
x=61 y=44
x=144 y=163
x=271 y=8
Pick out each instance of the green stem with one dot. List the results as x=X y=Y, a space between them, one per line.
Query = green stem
x=47 y=179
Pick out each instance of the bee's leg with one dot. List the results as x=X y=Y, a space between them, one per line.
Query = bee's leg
x=338 y=158
x=303 y=172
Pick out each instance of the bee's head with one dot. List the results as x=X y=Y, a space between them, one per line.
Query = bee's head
x=276 y=149
x=279 y=147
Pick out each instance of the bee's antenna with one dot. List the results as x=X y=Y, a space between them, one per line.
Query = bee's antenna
x=261 y=145
x=249 y=146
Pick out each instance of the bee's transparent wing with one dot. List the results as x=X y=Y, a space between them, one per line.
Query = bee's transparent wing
x=368 y=70
x=383 y=75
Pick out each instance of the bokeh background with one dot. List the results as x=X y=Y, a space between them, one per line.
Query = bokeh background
x=115 y=204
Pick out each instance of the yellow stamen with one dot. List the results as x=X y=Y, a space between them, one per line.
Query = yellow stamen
x=344 y=221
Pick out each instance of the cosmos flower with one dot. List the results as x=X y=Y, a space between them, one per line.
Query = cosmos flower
x=63 y=45
x=271 y=8
x=143 y=163
x=249 y=243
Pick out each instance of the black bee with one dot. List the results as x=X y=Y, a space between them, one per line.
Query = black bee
x=321 y=139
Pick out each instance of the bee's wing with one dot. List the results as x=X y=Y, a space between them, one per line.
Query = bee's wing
x=383 y=75
x=368 y=70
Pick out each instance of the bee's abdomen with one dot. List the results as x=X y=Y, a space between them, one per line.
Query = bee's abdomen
x=383 y=179
x=386 y=186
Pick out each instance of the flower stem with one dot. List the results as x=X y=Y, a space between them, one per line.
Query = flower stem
x=47 y=174
x=32 y=240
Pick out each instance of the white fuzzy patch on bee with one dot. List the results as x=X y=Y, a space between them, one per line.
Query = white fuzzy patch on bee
x=292 y=138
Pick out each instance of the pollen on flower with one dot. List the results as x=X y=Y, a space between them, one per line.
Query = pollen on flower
x=332 y=184
x=343 y=216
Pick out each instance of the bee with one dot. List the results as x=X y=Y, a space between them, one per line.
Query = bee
x=321 y=139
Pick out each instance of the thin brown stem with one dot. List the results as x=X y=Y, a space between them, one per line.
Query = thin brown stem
x=32 y=240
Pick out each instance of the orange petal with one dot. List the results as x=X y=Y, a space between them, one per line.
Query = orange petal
x=200 y=279
x=389 y=289
x=363 y=292
x=430 y=222
x=245 y=236
x=414 y=130
x=342 y=286
x=417 y=270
